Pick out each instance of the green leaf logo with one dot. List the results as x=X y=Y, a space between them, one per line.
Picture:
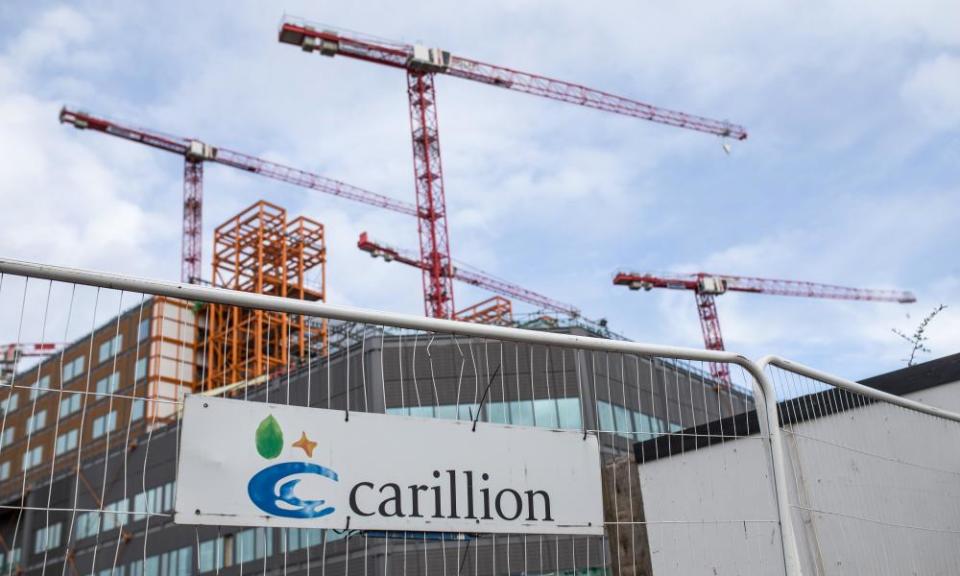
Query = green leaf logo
x=269 y=438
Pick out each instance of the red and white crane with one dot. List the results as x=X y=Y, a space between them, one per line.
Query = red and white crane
x=706 y=287
x=467 y=276
x=421 y=65
x=195 y=153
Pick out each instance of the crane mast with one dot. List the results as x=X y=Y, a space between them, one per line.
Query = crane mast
x=421 y=65
x=706 y=287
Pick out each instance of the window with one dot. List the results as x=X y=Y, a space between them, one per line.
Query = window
x=630 y=423
x=110 y=348
x=150 y=567
x=252 y=544
x=10 y=403
x=9 y=560
x=8 y=436
x=88 y=524
x=136 y=410
x=73 y=368
x=104 y=424
x=140 y=370
x=297 y=538
x=143 y=331
x=113 y=571
x=37 y=421
x=569 y=412
x=32 y=457
x=70 y=404
x=114 y=514
x=545 y=413
x=108 y=384
x=622 y=420
x=40 y=387
x=177 y=562
x=67 y=441
x=47 y=538
x=210 y=555
x=153 y=501
x=4 y=473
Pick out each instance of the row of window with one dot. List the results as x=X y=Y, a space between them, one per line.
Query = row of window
x=47 y=538
x=68 y=440
x=104 y=386
x=553 y=413
x=153 y=501
x=545 y=412
x=68 y=406
x=75 y=367
x=255 y=543
x=212 y=555
x=631 y=424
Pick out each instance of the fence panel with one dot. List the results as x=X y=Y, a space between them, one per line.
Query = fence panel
x=874 y=479
x=90 y=435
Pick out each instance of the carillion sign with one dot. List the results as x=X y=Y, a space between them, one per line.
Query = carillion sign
x=254 y=464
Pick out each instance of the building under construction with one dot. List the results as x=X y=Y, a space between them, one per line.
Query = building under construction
x=112 y=460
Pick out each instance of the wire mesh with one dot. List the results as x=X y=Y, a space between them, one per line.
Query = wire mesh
x=88 y=474
x=875 y=485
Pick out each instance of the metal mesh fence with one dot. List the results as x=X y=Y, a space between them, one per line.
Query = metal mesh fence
x=89 y=436
x=874 y=481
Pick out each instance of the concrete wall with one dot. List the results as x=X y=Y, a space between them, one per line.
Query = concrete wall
x=876 y=489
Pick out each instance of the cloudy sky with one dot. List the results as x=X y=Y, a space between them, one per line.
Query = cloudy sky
x=849 y=176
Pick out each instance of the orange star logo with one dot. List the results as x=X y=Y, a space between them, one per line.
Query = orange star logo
x=305 y=444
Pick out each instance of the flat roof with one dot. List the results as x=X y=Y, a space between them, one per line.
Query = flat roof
x=808 y=407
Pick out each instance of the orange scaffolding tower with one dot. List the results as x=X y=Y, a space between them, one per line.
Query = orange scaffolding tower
x=259 y=251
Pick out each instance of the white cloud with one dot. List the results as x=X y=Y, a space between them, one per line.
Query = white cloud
x=932 y=92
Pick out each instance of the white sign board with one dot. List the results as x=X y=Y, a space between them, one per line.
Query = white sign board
x=254 y=464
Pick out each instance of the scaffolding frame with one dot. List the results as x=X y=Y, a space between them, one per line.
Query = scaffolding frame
x=259 y=251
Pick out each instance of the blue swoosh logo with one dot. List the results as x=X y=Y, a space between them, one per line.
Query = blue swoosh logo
x=265 y=493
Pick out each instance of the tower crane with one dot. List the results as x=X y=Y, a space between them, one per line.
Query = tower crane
x=467 y=276
x=195 y=153
x=706 y=287
x=421 y=65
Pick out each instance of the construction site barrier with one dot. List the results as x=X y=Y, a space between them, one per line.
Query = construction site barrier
x=699 y=477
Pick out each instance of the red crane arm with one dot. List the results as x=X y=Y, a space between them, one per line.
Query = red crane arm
x=472 y=277
x=720 y=283
x=9 y=352
x=332 y=42
x=814 y=290
x=199 y=151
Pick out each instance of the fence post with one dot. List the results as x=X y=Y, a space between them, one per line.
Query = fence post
x=791 y=553
x=626 y=522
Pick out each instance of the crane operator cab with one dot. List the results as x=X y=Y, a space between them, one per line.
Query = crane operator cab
x=711 y=285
